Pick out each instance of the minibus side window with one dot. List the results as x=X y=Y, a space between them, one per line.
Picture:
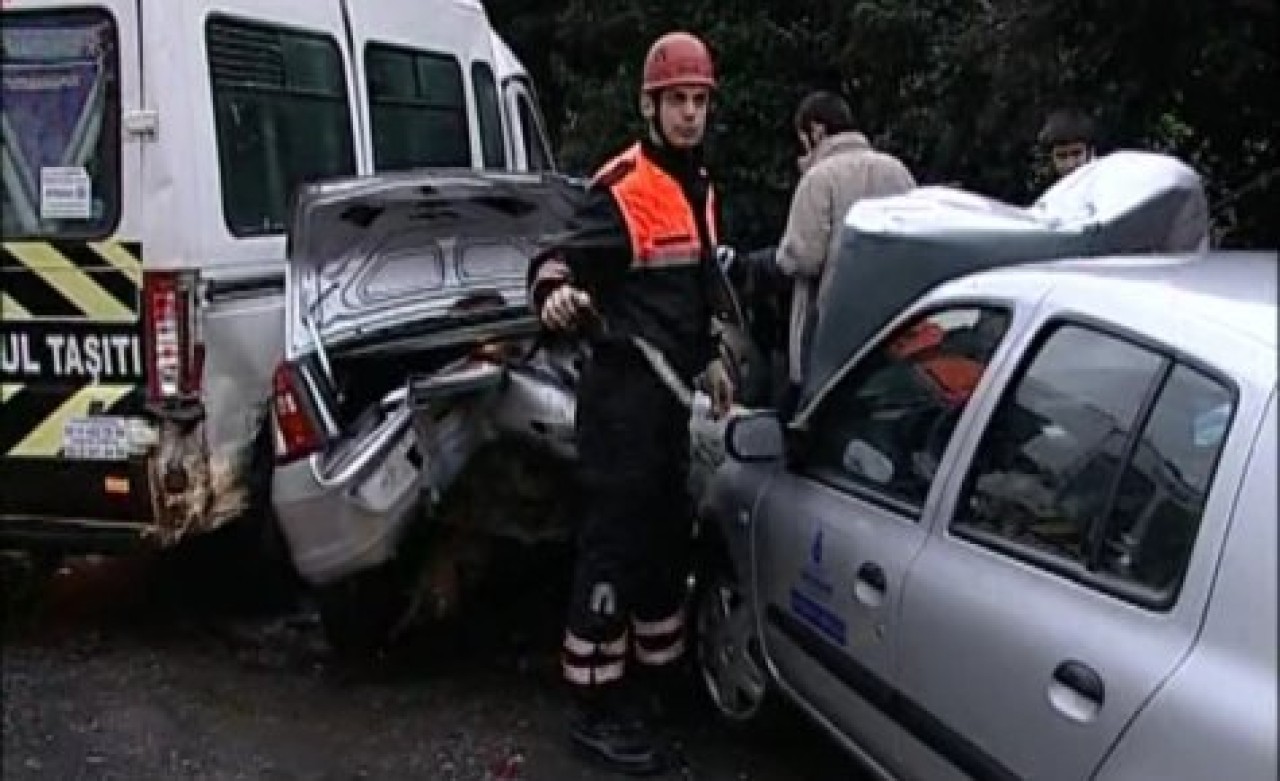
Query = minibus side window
x=281 y=115
x=417 y=108
x=490 y=111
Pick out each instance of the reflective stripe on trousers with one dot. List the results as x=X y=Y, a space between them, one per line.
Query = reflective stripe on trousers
x=586 y=663
x=659 y=642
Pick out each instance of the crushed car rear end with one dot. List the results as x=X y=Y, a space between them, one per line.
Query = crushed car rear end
x=411 y=352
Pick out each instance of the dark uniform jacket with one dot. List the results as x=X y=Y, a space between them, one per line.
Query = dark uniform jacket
x=642 y=245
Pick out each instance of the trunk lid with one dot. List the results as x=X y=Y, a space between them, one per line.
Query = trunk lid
x=418 y=255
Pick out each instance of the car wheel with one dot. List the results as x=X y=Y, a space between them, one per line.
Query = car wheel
x=728 y=655
x=244 y=565
x=359 y=612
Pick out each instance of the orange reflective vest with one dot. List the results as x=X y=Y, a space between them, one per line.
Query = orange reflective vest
x=659 y=219
x=954 y=376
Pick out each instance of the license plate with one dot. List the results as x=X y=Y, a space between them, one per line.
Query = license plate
x=96 y=438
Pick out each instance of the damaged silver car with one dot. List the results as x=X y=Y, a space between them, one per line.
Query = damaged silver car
x=419 y=414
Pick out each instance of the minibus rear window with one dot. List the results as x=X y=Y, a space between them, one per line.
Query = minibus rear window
x=60 y=156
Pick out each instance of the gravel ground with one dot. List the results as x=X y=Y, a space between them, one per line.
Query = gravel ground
x=135 y=669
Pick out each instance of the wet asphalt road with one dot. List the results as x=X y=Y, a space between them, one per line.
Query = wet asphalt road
x=139 y=668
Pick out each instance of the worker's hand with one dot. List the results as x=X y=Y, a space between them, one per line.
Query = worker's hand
x=564 y=307
x=720 y=386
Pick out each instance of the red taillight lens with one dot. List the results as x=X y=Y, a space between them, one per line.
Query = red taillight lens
x=174 y=354
x=299 y=429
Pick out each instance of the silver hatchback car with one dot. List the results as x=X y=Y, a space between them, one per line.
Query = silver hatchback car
x=1027 y=529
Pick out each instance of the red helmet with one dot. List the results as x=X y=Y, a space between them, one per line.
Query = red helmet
x=678 y=59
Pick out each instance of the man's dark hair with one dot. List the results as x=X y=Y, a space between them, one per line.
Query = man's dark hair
x=1068 y=126
x=827 y=109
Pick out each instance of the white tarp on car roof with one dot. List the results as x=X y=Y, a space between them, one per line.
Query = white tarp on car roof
x=893 y=250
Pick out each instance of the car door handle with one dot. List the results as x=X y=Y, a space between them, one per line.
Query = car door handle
x=1077 y=691
x=871 y=574
x=870 y=586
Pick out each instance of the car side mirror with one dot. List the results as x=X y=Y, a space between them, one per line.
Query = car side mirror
x=755 y=437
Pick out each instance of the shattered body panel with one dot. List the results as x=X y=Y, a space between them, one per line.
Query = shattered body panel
x=394 y=282
x=347 y=509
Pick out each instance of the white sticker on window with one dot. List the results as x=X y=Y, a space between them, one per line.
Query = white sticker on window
x=66 y=193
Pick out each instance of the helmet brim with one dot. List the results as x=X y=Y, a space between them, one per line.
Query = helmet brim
x=679 y=81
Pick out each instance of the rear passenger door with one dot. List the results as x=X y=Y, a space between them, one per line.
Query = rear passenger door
x=414 y=63
x=71 y=221
x=1048 y=605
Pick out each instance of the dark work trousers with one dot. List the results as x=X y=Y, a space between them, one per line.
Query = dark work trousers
x=634 y=543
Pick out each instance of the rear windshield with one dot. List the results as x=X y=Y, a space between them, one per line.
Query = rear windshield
x=60 y=108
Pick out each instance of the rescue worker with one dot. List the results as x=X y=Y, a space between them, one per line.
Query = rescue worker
x=839 y=167
x=1069 y=137
x=637 y=271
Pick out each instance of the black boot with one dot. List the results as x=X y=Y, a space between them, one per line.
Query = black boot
x=607 y=728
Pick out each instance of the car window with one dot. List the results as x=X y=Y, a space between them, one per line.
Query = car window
x=534 y=142
x=1099 y=459
x=61 y=124
x=417 y=109
x=492 y=143
x=281 y=116
x=886 y=425
x=1161 y=497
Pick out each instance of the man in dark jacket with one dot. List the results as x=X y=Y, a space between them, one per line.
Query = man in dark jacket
x=638 y=270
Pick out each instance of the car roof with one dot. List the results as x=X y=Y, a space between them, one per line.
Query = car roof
x=1235 y=290
x=1217 y=308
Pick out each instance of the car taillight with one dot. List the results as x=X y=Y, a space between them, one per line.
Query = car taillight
x=301 y=427
x=174 y=352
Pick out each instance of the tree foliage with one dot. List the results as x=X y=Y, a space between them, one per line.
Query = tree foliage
x=957 y=88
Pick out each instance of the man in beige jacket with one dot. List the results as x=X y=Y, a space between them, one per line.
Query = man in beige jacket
x=839 y=168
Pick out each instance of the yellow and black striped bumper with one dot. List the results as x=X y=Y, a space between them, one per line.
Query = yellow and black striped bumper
x=70 y=346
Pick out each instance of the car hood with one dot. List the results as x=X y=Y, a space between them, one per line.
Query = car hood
x=373 y=255
x=893 y=250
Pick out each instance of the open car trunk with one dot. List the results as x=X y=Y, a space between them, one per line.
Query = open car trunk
x=411 y=352
x=421 y=266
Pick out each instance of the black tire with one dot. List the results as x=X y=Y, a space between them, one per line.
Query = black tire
x=243 y=566
x=714 y=572
x=360 y=612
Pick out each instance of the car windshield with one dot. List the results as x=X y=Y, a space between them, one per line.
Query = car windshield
x=60 y=109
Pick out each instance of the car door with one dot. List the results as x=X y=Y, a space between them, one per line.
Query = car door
x=1045 y=610
x=837 y=530
x=72 y=224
